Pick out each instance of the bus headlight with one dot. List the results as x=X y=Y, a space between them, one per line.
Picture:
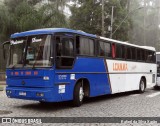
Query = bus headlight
x=9 y=92
x=40 y=94
x=6 y=76
x=45 y=78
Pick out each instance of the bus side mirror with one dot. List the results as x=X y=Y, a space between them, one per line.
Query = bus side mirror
x=4 y=50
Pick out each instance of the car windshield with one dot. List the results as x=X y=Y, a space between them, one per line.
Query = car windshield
x=34 y=51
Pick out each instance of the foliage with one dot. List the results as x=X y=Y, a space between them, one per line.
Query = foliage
x=22 y=15
x=145 y=30
x=88 y=17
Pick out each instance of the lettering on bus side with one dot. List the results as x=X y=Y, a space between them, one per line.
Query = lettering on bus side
x=120 y=67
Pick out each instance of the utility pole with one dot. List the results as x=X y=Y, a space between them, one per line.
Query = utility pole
x=144 y=24
x=102 y=17
x=125 y=19
x=112 y=21
x=128 y=10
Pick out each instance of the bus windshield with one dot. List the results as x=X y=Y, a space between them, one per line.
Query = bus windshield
x=33 y=51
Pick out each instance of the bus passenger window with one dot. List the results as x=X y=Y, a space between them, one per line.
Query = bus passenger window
x=139 y=54
x=150 y=56
x=129 y=53
x=104 y=49
x=143 y=55
x=77 y=45
x=58 y=46
x=133 y=53
x=120 y=51
x=64 y=52
x=67 y=47
x=85 y=46
x=101 y=49
x=113 y=51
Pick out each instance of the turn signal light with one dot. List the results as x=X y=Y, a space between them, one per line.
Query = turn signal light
x=9 y=91
x=45 y=78
x=40 y=94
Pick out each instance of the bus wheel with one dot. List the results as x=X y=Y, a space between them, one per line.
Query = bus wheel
x=78 y=95
x=142 y=86
x=43 y=102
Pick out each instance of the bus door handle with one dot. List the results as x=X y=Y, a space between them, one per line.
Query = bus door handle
x=150 y=71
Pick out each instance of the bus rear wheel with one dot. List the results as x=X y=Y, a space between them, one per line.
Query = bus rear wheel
x=78 y=95
x=142 y=86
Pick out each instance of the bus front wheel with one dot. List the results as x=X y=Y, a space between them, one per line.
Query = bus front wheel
x=142 y=86
x=78 y=95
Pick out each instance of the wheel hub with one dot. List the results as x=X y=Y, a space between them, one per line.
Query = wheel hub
x=81 y=94
x=142 y=85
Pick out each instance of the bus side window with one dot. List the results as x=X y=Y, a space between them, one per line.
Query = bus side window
x=129 y=53
x=143 y=55
x=154 y=57
x=58 y=46
x=104 y=49
x=133 y=53
x=120 y=51
x=139 y=56
x=150 y=56
x=113 y=51
x=107 y=49
x=64 y=52
x=85 y=46
x=77 y=45
x=101 y=49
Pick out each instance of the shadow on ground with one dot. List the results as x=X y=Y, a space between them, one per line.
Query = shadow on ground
x=68 y=105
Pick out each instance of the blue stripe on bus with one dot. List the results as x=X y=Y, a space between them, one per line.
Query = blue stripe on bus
x=50 y=31
x=100 y=84
x=109 y=82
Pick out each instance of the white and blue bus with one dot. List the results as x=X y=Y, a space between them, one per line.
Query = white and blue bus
x=58 y=64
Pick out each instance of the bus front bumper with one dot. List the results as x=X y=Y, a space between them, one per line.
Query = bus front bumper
x=37 y=94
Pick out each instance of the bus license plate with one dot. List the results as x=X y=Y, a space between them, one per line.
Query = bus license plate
x=22 y=93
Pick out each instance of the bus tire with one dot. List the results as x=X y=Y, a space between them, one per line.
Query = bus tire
x=43 y=102
x=142 y=86
x=156 y=87
x=78 y=95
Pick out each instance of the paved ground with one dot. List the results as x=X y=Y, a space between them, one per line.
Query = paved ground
x=129 y=104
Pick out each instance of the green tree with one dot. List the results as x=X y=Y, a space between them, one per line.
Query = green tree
x=120 y=14
x=87 y=16
x=22 y=15
x=60 y=4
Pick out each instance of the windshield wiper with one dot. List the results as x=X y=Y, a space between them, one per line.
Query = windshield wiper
x=13 y=66
x=33 y=67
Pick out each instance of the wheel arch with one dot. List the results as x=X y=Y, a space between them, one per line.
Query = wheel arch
x=145 y=81
x=86 y=86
